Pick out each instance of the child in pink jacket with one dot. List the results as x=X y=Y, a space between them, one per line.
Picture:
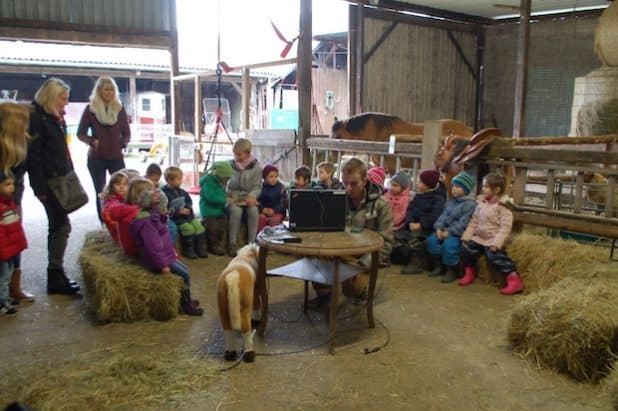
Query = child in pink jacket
x=399 y=197
x=487 y=232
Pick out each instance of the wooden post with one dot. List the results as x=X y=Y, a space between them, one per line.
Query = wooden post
x=133 y=98
x=359 y=51
x=611 y=195
x=175 y=88
x=480 y=79
x=246 y=99
x=197 y=129
x=522 y=69
x=303 y=70
x=351 y=59
x=432 y=131
x=549 y=189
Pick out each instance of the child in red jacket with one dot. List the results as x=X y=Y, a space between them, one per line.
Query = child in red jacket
x=113 y=194
x=12 y=239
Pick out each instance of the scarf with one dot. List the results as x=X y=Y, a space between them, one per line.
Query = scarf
x=106 y=114
x=244 y=164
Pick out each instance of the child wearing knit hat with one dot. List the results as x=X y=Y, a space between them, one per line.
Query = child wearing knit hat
x=212 y=205
x=272 y=201
x=154 y=244
x=377 y=175
x=444 y=244
x=487 y=233
x=399 y=197
x=421 y=214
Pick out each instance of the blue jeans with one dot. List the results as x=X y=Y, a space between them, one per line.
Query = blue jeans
x=173 y=230
x=181 y=270
x=98 y=167
x=6 y=270
x=448 y=248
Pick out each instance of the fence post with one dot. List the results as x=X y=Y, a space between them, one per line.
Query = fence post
x=432 y=131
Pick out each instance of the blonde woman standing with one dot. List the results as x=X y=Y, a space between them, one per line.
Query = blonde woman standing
x=13 y=151
x=48 y=157
x=104 y=126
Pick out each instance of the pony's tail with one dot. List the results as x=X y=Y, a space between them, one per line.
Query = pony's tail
x=232 y=281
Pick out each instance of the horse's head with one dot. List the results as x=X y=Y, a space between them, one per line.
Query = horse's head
x=339 y=127
x=453 y=146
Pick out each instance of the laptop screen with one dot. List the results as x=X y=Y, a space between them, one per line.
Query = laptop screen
x=317 y=210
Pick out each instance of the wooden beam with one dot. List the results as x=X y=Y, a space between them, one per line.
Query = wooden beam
x=379 y=41
x=521 y=79
x=579 y=14
x=480 y=80
x=352 y=34
x=541 y=155
x=421 y=21
x=303 y=72
x=435 y=12
x=82 y=71
x=432 y=130
x=174 y=71
x=133 y=97
x=461 y=53
x=566 y=222
x=246 y=99
x=359 y=51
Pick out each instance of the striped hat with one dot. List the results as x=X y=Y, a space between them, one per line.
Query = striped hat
x=465 y=181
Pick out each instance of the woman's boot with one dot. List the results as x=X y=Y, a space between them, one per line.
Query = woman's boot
x=15 y=290
x=58 y=283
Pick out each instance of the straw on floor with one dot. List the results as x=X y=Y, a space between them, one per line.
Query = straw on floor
x=119 y=289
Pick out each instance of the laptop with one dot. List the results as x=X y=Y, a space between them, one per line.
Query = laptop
x=317 y=210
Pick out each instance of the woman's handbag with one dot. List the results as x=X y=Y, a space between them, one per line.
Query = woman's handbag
x=68 y=191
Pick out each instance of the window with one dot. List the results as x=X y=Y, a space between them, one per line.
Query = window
x=146 y=104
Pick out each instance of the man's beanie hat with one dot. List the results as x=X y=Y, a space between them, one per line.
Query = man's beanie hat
x=402 y=179
x=269 y=168
x=430 y=177
x=222 y=169
x=465 y=181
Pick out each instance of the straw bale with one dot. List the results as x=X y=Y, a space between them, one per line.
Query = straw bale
x=123 y=377
x=119 y=289
x=611 y=387
x=543 y=260
x=606 y=36
x=571 y=327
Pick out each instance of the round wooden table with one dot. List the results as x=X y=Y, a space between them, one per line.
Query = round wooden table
x=334 y=246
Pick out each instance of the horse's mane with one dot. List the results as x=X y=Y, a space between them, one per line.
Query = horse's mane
x=356 y=123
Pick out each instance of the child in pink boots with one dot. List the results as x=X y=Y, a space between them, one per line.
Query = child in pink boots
x=489 y=228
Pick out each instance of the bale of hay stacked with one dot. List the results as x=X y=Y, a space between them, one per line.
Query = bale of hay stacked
x=542 y=260
x=571 y=327
x=119 y=289
x=611 y=387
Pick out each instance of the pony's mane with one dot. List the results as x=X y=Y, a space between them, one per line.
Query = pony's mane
x=356 y=123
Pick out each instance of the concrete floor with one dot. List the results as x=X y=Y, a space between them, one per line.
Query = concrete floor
x=445 y=346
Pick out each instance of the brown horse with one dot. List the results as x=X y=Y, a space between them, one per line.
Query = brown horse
x=380 y=126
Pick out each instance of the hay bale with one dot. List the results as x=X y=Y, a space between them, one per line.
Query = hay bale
x=123 y=377
x=611 y=387
x=119 y=289
x=571 y=328
x=543 y=260
x=606 y=36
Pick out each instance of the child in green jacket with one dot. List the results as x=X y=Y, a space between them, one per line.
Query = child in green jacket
x=212 y=205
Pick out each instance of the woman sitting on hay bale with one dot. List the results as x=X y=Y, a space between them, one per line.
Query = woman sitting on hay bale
x=153 y=240
x=487 y=232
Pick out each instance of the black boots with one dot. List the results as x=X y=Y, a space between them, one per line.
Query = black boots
x=450 y=274
x=436 y=266
x=415 y=265
x=201 y=248
x=215 y=234
x=58 y=283
x=188 y=246
x=189 y=306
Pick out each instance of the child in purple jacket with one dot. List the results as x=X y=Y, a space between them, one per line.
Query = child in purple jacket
x=153 y=240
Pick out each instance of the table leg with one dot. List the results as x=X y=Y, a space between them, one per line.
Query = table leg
x=262 y=292
x=306 y=296
x=332 y=323
x=373 y=276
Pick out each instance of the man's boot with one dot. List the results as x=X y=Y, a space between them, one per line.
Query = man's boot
x=58 y=283
x=15 y=290
x=188 y=246
x=436 y=266
x=201 y=248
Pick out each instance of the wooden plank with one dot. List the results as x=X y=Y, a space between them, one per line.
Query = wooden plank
x=375 y=147
x=566 y=156
x=521 y=73
x=549 y=140
x=246 y=98
x=352 y=34
x=579 y=187
x=519 y=185
x=359 y=51
x=379 y=41
x=303 y=73
x=175 y=71
x=421 y=21
x=550 y=187
x=432 y=131
x=544 y=166
x=567 y=222
x=611 y=196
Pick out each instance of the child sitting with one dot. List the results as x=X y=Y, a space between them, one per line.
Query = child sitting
x=444 y=244
x=156 y=250
x=399 y=197
x=153 y=173
x=487 y=232
x=272 y=199
x=326 y=179
x=243 y=190
x=113 y=193
x=12 y=239
x=377 y=175
x=302 y=179
x=192 y=235
x=212 y=205
x=123 y=215
x=421 y=214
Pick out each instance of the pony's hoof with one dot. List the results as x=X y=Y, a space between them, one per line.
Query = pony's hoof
x=248 y=356
x=230 y=356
